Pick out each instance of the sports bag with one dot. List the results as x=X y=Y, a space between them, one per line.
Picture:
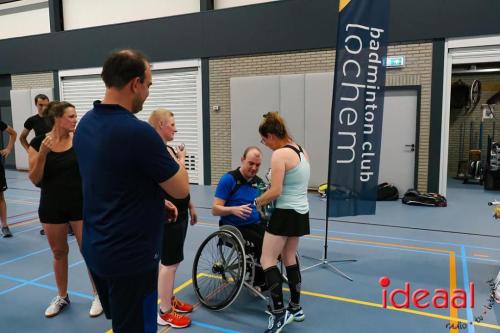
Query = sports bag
x=387 y=192
x=416 y=198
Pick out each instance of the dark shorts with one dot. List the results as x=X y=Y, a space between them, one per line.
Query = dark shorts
x=59 y=208
x=174 y=235
x=3 y=181
x=254 y=236
x=288 y=222
x=129 y=301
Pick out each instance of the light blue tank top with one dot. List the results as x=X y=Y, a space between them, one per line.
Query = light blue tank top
x=294 y=193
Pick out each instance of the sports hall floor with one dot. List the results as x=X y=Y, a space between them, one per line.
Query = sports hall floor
x=428 y=247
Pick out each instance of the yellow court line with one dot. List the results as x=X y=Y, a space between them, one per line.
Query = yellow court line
x=377 y=305
x=365 y=242
x=453 y=318
x=382 y=244
x=452 y=263
x=453 y=286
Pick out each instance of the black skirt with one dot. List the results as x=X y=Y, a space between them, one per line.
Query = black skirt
x=288 y=222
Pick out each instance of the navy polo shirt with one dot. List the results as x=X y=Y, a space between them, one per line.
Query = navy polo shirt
x=246 y=194
x=122 y=160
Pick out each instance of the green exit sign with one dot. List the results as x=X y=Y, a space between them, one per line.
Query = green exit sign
x=395 y=62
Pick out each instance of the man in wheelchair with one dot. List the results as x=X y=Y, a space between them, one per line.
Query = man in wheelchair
x=233 y=202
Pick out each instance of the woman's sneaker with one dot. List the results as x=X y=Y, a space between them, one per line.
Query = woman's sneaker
x=96 y=307
x=296 y=312
x=180 y=306
x=57 y=304
x=173 y=319
x=277 y=321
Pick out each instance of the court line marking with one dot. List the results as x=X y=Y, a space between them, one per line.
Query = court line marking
x=29 y=254
x=194 y=322
x=465 y=273
x=451 y=256
x=210 y=217
x=365 y=303
x=33 y=282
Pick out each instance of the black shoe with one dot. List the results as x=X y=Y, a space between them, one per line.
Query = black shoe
x=6 y=232
x=42 y=232
x=277 y=321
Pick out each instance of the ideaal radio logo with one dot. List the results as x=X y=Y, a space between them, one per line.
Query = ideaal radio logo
x=440 y=299
x=423 y=298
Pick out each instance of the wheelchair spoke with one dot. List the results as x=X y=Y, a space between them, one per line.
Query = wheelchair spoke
x=219 y=270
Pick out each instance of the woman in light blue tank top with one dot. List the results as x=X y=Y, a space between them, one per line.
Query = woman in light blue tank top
x=290 y=171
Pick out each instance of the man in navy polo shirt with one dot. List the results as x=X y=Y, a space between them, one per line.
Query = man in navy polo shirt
x=233 y=202
x=125 y=168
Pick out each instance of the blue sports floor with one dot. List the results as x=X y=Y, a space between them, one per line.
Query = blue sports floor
x=428 y=247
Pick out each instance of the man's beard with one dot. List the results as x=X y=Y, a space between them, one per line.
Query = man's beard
x=137 y=104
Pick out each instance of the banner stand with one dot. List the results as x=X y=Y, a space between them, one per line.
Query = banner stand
x=357 y=114
x=323 y=261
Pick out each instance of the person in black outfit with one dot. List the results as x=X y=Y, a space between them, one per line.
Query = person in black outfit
x=174 y=233
x=3 y=182
x=38 y=123
x=54 y=168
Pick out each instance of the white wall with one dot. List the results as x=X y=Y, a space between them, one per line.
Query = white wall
x=23 y=18
x=91 y=13
x=219 y=4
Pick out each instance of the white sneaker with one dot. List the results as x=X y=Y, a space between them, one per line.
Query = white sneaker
x=497 y=279
x=96 y=308
x=56 y=305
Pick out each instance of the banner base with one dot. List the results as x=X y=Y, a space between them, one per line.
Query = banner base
x=325 y=261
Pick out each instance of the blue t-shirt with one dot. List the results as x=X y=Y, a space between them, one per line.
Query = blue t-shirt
x=122 y=160
x=246 y=194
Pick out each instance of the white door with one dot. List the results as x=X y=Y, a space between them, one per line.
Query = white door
x=175 y=89
x=397 y=157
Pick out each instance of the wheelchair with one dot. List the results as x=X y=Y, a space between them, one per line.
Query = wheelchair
x=223 y=264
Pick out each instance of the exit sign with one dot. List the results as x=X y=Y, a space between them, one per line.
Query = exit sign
x=395 y=62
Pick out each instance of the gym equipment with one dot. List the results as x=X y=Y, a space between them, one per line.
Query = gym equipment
x=462 y=164
x=492 y=170
x=474 y=168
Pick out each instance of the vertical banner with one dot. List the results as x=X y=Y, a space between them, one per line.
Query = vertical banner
x=357 y=107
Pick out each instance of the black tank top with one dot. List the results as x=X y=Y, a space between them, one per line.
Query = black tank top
x=61 y=169
x=181 y=204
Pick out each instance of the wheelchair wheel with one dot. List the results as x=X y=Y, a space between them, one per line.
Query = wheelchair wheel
x=219 y=270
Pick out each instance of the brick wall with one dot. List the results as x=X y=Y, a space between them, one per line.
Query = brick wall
x=417 y=72
x=33 y=80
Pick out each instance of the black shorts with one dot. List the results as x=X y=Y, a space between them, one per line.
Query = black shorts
x=288 y=222
x=60 y=207
x=174 y=235
x=129 y=301
x=3 y=181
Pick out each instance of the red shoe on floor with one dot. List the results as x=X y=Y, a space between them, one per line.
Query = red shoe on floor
x=180 y=306
x=173 y=319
